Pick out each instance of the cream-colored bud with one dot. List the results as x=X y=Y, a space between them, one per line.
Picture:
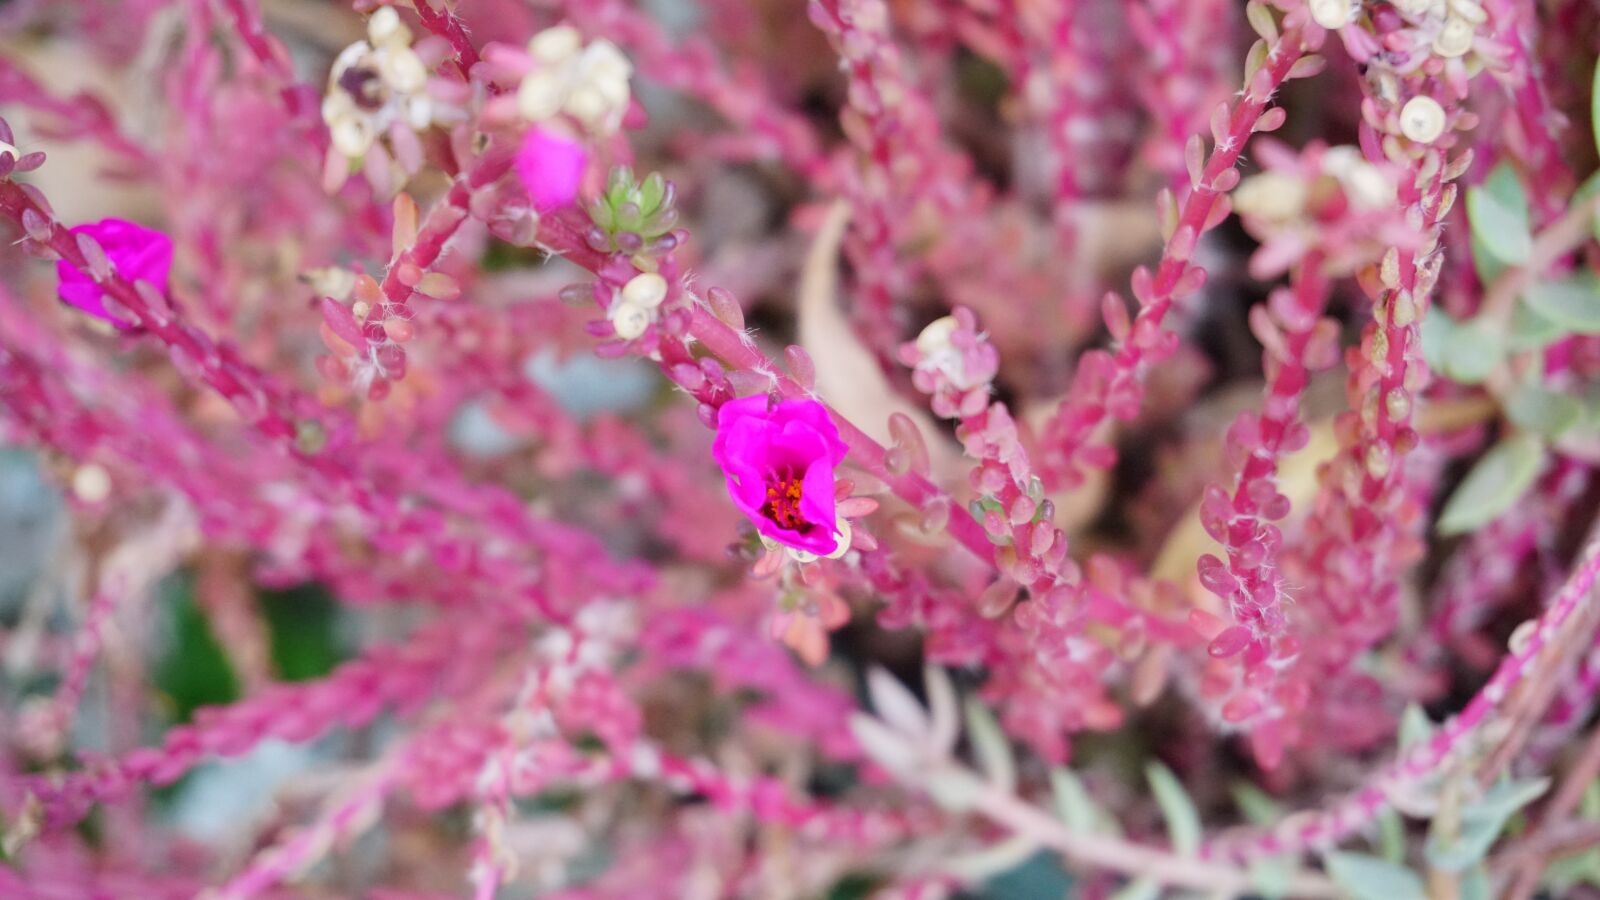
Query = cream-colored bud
x=91 y=483
x=403 y=70
x=555 y=45
x=629 y=320
x=417 y=110
x=1332 y=14
x=1271 y=196
x=1454 y=39
x=7 y=149
x=602 y=60
x=1368 y=188
x=935 y=338
x=843 y=533
x=1422 y=119
x=1471 y=10
x=352 y=135
x=645 y=290
x=386 y=29
x=540 y=96
x=588 y=105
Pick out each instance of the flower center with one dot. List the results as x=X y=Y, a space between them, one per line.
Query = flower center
x=783 y=502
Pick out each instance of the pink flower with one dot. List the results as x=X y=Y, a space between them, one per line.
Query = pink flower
x=779 y=461
x=551 y=166
x=137 y=253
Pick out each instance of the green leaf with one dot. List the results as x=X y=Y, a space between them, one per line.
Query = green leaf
x=1498 y=212
x=990 y=746
x=1257 y=805
x=193 y=669
x=1465 y=352
x=1498 y=480
x=1073 y=804
x=1571 y=303
x=1271 y=876
x=1531 y=330
x=1436 y=330
x=1183 y=820
x=1488 y=268
x=1139 y=889
x=1475 y=885
x=1391 y=836
x=1481 y=824
x=1415 y=726
x=1473 y=351
x=1585 y=191
x=1594 y=104
x=303 y=631
x=1370 y=878
x=1546 y=413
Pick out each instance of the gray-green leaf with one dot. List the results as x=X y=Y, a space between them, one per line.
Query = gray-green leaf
x=1498 y=212
x=1544 y=412
x=1530 y=330
x=1498 y=480
x=1073 y=804
x=1140 y=889
x=1370 y=878
x=1256 y=804
x=990 y=746
x=1465 y=352
x=1481 y=823
x=1572 y=303
x=1183 y=820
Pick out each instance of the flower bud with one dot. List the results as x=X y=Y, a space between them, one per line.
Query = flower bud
x=555 y=45
x=645 y=290
x=1422 y=119
x=629 y=320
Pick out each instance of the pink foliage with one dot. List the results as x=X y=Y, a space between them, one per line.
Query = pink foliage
x=612 y=395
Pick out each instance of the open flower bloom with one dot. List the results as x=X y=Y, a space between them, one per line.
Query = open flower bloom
x=779 y=461
x=551 y=166
x=138 y=254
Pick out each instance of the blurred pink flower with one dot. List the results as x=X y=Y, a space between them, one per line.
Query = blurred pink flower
x=551 y=166
x=779 y=461
x=137 y=253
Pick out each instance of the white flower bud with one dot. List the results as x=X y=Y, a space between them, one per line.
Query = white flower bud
x=352 y=135
x=1422 y=119
x=588 y=105
x=1454 y=39
x=385 y=28
x=935 y=338
x=1364 y=184
x=403 y=70
x=6 y=149
x=602 y=61
x=1471 y=10
x=645 y=290
x=1270 y=196
x=1332 y=14
x=91 y=483
x=630 y=321
x=417 y=110
x=540 y=96
x=555 y=45
x=843 y=532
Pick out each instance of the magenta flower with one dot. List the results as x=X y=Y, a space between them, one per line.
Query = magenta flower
x=137 y=253
x=778 y=461
x=551 y=166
